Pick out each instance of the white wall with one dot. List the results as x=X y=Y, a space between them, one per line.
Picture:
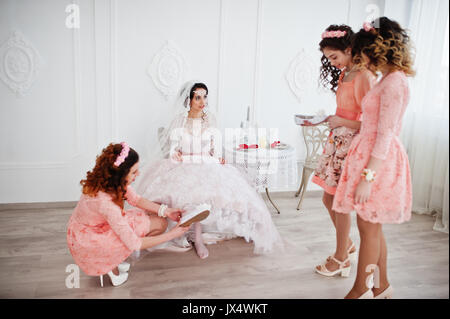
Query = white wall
x=92 y=85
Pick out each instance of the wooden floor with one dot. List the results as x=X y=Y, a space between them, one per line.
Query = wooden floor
x=34 y=257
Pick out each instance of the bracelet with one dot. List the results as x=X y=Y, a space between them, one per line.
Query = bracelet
x=368 y=174
x=162 y=210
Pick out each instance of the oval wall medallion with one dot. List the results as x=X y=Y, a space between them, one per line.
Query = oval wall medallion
x=300 y=75
x=19 y=63
x=168 y=69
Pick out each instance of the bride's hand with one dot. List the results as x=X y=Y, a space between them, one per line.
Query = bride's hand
x=222 y=160
x=177 y=156
x=174 y=213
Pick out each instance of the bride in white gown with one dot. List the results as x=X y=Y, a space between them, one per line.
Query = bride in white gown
x=192 y=173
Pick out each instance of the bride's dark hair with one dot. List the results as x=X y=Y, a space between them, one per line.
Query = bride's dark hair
x=195 y=87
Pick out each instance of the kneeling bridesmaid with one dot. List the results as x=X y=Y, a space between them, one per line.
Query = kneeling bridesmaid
x=100 y=233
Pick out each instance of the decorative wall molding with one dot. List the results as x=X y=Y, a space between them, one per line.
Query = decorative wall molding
x=257 y=71
x=222 y=26
x=17 y=40
x=20 y=63
x=168 y=69
x=300 y=73
x=105 y=13
x=113 y=65
x=77 y=67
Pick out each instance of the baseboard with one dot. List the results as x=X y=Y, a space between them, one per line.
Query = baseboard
x=30 y=206
x=26 y=206
x=308 y=194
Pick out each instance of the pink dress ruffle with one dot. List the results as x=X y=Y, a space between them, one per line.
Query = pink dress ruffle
x=100 y=235
x=391 y=193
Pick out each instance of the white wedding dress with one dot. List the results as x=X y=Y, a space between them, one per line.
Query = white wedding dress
x=237 y=209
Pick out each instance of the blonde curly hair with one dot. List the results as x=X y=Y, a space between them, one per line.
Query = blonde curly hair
x=387 y=45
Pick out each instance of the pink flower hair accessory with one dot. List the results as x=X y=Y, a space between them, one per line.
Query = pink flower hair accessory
x=123 y=154
x=333 y=34
x=367 y=26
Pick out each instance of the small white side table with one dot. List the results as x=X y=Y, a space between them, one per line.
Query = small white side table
x=266 y=168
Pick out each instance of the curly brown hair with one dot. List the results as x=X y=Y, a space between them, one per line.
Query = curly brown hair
x=107 y=177
x=386 y=45
x=329 y=75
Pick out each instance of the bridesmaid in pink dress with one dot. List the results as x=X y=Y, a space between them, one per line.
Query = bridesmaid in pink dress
x=350 y=85
x=100 y=233
x=375 y=180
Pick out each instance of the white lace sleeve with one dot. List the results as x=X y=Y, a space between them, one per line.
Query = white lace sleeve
x=171 y=140
x=215 y=137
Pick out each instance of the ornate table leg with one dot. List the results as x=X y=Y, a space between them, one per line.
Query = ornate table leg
x=268 y=196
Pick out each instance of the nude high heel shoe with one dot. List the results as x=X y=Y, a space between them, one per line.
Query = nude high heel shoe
x=353 y=256
x=386 y=294
x=342 y=270
x=116 y=280
x=367 y=295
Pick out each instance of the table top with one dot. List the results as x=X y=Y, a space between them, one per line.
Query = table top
x=268 y=167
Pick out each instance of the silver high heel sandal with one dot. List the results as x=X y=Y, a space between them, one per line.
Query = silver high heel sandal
x=116 y=280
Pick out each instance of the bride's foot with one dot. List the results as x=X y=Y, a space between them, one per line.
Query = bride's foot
x=202 y=251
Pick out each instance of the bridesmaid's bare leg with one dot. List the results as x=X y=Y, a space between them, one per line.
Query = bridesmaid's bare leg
x=369 y=256
x=342 y=223
x=115 y=271
x=382 y=266
x=158 y=225
x=202 y=252
x=327 y=200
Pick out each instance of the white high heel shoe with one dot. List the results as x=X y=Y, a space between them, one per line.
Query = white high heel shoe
x=342 y=270
x=386 y=294
x=123 y=267
x=198 y=214
x=116 y=280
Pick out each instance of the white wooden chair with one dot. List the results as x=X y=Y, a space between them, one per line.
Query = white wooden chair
x=315 y=138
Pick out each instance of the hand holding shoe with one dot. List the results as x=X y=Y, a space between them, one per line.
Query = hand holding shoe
x=174 y=214
x=178 y=231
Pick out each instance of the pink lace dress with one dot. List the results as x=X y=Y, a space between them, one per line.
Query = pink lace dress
x=391 y=196
x=348 y=99
x=100 y=235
